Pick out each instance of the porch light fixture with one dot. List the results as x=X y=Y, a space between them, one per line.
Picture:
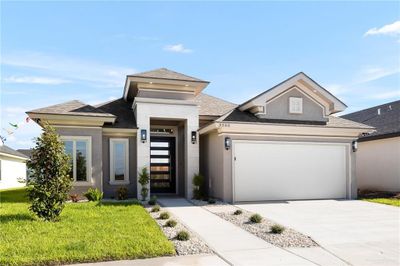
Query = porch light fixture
x=143 y=135
x=354 y=145
x=228 y=143
x=194 y=137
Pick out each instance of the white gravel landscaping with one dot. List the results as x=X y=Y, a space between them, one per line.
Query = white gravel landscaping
x=193 y=246
x=288 y=238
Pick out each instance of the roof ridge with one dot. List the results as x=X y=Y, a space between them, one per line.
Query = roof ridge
x=215 y=97
x=373 y=107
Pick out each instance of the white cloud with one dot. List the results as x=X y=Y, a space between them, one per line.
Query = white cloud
x=177 y=48
x=69 y=68
x=35 y=80
x=389 y=29
x=371 y=73
x=386 y=95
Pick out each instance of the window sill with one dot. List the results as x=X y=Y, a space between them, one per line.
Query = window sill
x=82 y=183
x=124 y=182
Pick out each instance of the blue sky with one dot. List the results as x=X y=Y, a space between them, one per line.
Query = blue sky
x=55 y=52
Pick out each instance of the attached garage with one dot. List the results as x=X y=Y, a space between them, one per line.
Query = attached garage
x=272 y=170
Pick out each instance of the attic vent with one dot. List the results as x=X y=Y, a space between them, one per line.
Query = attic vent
x=390 y=108
x=379 y=111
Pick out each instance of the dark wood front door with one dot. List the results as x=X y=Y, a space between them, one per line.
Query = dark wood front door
x=162 y=165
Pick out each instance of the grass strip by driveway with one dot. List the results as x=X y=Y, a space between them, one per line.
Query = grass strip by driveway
x=86 y=232
x=387 y=201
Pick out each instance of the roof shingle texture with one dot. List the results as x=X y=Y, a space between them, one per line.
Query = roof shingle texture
x=386 y=123
x=74 y=107
x=164 y=73
x=122 y=110
x=7 y=150
x=333 y=121
x=213 y=106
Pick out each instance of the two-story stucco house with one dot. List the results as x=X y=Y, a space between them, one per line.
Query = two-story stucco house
x=282 y=144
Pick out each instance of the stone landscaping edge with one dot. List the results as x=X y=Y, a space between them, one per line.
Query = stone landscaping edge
x=289 y=238
x=195 y=245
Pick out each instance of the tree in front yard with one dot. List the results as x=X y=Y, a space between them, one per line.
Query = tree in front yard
x=51 y=180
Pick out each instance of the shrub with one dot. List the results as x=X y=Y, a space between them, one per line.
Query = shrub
x=198 y=186
x=50 y=180
x=277 y=229
x=122 y=193
x=156 y=208
x=93 y=194
x=238 y=212
x=164 y=216
x=153 y=200
x=143 y=180
x=256 y=218
x=211 y=201
x=74 y=197
x=171 y=223
x=183 y=236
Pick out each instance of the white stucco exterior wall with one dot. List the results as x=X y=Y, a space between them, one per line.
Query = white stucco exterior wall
x=378 y=164
x=146 y=109
x=12 y=172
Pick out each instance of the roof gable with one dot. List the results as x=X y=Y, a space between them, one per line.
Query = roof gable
x=305 y=84
x=164 y=73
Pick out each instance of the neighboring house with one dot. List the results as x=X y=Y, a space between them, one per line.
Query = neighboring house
x=378 y=156
x=12 y=168
x=282 y=144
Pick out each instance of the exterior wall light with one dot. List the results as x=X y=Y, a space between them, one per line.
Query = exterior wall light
x=228 y=143
x=194 y=137
x=143 y=135
x=354 y=145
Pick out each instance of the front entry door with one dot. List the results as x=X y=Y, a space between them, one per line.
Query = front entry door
x=162 y=165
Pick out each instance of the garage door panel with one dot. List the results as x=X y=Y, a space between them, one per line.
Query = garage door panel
x=283 y=171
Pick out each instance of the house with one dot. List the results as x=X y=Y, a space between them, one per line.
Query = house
x=12 y=168
x=281 y=144
x=378 y=156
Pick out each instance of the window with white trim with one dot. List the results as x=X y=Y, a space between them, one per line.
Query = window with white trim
x=119 y=161
x=78 y=149
x=295 y=105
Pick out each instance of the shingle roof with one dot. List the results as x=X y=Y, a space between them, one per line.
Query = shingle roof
x=9 y=151
x=333 y=121
x=164 y=73
x=26 y=152
x=73 y=107
x=122 y=110
x=387 y=123
x=213 y=106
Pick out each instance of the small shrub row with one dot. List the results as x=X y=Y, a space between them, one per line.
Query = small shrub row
x=93 y=194
x=156 y=208
x=255 y=218
x=277 y=229
x=183 y=236
x=238 y=212
x=164 y=216
x=171 y=223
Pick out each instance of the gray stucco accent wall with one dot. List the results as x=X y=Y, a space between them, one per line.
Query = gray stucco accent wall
x=278 y=108
x=96 y=155
x=110 y=191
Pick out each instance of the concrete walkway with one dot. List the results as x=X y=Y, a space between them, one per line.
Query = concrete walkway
x=235 y=245
x=196 y=260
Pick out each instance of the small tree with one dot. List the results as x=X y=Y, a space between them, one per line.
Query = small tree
x=144 y=179
x=198 y=186
x=50 y=181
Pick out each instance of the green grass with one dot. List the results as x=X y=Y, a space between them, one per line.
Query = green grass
x=387 y=201
x=86 y=232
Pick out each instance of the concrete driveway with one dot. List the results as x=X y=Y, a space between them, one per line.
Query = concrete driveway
x=358 y=232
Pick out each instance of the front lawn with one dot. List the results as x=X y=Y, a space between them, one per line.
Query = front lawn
x=86 y=232
x=387 y=201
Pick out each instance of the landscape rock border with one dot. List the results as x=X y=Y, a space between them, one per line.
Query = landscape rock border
x=289 y=238
x=195 y=245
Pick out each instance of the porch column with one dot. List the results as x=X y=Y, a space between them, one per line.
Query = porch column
x=143 y=148
x=191 y=154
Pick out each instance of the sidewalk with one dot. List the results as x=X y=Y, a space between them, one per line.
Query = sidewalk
x=198 y=260
x=233 y=244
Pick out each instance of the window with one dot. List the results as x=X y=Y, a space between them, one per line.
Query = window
x=295 y=105
x=78 y=150
x=119 y=161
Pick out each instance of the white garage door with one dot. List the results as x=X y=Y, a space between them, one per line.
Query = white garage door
x=288 y=170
